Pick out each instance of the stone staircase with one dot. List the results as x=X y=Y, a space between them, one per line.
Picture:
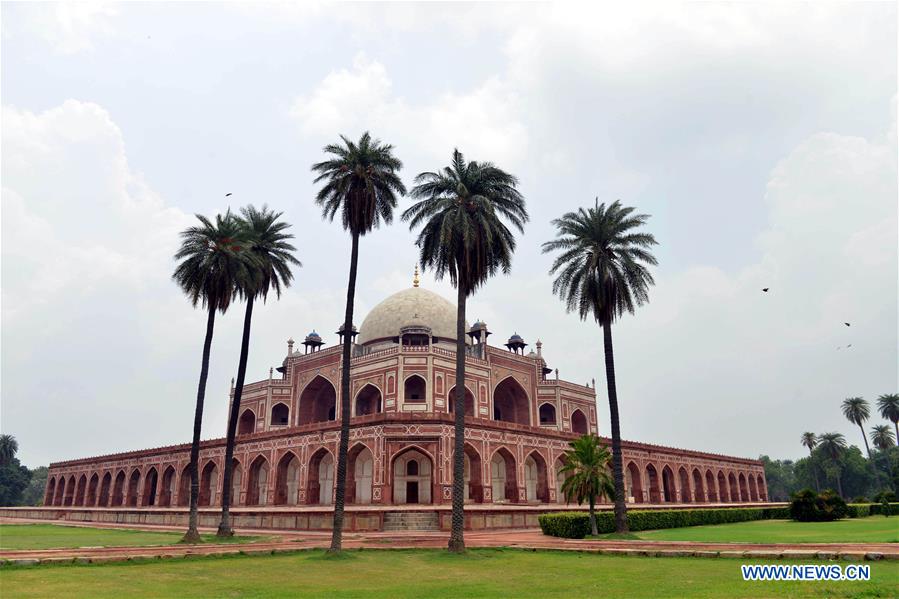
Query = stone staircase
x=414 y=521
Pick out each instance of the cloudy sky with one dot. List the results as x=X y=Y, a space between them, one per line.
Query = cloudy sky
x=761 y=139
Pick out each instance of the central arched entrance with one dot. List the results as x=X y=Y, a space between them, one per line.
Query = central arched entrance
x=412 y=477
x=318 y=402
x=510 y=403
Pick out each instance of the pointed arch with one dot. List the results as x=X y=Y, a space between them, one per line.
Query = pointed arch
x=69 y=496
x=412 y=469
x=367 y=401
x=318 y=402
x=469 y=402
x=511 y=402
x=711 y=490
x=118 y=489
x=535 y=477
x=473 y=468
x=560 y=479
x=744 y=490
x=669 y=492
x=236 y=481
x=287 y=479
x=579 y=423
x=133 y=488
x=753 y=490
x=633 y=483
x=547 y=413
x=90 y=499
x=167 y=493
x=763 y=490
x=209 y=477
x=105 y=485
x=184 y=487
x=652 y=477
x=415 y=389
x=723 y=491
x=279 y=414
x=257 y=483
x=685 y=491
x=734 y=489
x=246 y=424
x=151 y=481
x=320 y=478
x=698 y=487
x=503 y=476
x=359 y=474
x=80 y=490
x=50 y=491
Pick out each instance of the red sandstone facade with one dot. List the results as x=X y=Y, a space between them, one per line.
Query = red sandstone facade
x=518 y=425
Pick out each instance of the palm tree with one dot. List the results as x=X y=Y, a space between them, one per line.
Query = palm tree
x=882 y=437
x=587 y=474
x=602 y=272
x=810 y=440
x=213 y=264
x=833 y=445
x=8 y=449
x=267 y=242
x=856 y=411
x=461 y=210
x=888 y=406
x=361 y=184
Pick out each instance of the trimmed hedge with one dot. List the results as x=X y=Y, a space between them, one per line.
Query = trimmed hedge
x=576 y=525
x=808 y=506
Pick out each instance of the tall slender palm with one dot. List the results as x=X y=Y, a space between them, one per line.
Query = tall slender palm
x=888 y=406
x=461 y=210
x=268 y=243
x=587 y=477
x=601 y=272
x=856 y=410
x=882 y=437
x=8 y=449
x=833 y=445
x=361 y=183
x=214 y=261
x=810 y=440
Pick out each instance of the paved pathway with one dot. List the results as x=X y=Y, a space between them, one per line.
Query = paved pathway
x=288 y=541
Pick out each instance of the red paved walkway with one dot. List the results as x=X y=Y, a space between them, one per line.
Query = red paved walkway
x=526 y=539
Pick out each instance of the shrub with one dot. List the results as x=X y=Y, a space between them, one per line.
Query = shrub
x=576 y=525
x=808 y=506
x=860 y=499
x=884 y=509
x=888 y=495
x=858 y=510
x=567 y=525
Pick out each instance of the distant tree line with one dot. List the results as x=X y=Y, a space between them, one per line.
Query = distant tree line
x=19 y=485
x=832 y=463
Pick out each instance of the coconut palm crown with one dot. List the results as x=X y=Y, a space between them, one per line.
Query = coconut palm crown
x=882 y=437
x=462 y=211
x=587 y=477
x=213 y=264
x=833 y=445
x=856 y=411
x=361 y=184
x=601 y=272
x=809 y=440
x=888 y=406
x=272 y=254
x=8 y=449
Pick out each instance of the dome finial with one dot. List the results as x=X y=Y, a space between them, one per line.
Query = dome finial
x=415 y=277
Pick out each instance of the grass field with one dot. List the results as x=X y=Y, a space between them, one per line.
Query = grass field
x=426 y=573
x=874 y=529
x=52 y=536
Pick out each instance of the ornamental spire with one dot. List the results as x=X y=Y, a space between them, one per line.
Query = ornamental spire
x=415 y=277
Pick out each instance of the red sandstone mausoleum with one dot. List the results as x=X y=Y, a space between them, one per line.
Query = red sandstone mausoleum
x=519 y=420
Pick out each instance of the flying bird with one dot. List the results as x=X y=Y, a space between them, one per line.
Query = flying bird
x=227 y=194
x=766 y=289
x=846 y=323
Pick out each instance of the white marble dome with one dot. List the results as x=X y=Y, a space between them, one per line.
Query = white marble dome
x=411 y=307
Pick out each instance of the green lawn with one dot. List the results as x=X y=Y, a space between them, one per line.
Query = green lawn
x=425 y=573
x=53 y=536
x=874 y=529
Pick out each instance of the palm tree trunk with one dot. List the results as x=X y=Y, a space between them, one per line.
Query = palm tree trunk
x=617 y=469
x=811 y=464
x=593 y=530
x=867 y=447
x=339 y=497
x=839 y=482
x=457 y=540
x=193 y=535
x=225 y=529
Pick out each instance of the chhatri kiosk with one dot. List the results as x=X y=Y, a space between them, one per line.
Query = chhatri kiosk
x=519 y=418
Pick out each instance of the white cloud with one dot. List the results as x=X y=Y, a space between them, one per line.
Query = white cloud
x=70 y=27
